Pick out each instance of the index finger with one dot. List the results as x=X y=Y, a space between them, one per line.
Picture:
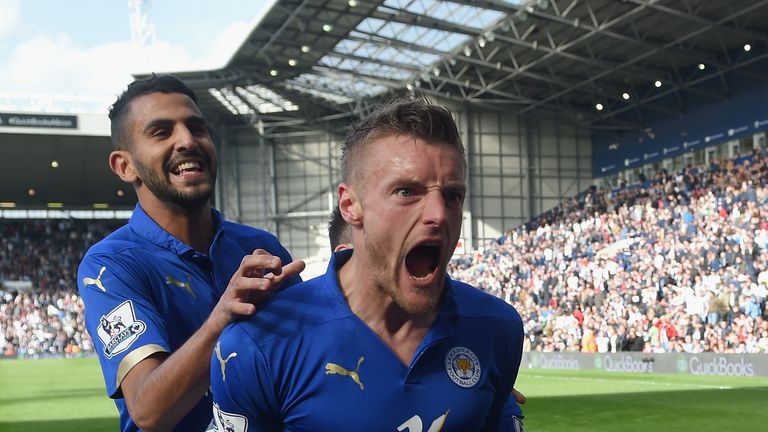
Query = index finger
x=289 y=270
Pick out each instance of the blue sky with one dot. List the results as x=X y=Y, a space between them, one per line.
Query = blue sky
x=84 y=47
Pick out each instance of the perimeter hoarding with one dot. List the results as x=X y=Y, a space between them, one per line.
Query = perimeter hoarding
x=634 y=362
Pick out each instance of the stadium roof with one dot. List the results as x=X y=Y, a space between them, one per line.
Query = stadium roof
x=311 y=64
x=613 y=64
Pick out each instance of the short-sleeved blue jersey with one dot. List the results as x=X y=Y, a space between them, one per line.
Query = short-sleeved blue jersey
x=145 y=291
x=306 y=362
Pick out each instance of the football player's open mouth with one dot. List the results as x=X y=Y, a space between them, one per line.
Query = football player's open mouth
x=422 y=261
x=187 y=167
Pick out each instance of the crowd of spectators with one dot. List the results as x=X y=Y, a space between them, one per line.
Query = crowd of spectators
x=41 y=313
x=678 y=264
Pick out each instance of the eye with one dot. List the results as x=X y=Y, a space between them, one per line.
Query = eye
x=161 y=133
x=454 y=197
x=198 y=129
x=404 y=192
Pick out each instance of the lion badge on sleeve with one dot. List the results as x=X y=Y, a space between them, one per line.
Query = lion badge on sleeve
x=119 y=329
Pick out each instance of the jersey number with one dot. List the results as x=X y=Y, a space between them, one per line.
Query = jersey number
x=414 y=424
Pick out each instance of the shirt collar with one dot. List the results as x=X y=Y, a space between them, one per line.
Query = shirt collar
x=448 y=309
x=144 y=226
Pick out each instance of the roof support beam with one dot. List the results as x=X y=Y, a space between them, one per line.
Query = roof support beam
x=745 y=33
x=596 y=29
x=409 y=18
x=416 y=72
x=641 y=73
x=685 y=85
x=652 y=52
x=283 y=26
x=499 y=66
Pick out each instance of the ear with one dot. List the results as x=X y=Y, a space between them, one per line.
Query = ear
x=349 y=206
x=121 y=164
x=343 y=246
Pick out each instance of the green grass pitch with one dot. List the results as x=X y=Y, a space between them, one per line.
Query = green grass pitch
x=68 y=395
x=624 y=402
x=55 y=395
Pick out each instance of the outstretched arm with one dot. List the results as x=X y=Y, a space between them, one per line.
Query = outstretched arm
x=161 y=389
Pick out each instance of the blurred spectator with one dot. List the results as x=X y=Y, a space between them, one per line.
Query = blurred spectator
x=678 y=263
x=46 y=319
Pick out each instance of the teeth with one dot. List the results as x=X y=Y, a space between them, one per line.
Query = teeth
x=187 y=166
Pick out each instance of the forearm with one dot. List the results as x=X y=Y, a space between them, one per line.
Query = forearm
x=160 y=391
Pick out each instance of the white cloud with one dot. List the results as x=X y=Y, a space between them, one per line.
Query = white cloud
x=10 y=17
x=225 y=45
x=54 y=64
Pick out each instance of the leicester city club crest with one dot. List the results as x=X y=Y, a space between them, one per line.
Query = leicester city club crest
x=462 y=366
x=119 y=329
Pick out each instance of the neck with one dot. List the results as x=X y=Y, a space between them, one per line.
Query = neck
x=400 y=331
x=193 y=227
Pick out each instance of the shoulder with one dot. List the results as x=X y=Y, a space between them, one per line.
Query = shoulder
x=294 y=311
x=248 y=235
x=488 y=311
x=121 y=245
x=234 y=228
x=475 y=302
x=127 y=256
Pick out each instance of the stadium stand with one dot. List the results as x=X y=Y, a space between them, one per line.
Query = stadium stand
x=41 y=313
x=678 y=263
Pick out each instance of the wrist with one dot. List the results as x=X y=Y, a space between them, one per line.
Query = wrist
x=213 y=326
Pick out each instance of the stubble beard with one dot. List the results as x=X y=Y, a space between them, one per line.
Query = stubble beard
x=166 y=192
x=386 y=280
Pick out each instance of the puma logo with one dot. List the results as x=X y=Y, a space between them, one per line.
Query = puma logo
x=334 y=369
x=185 y=285
x=91 y=281
x=223 y=361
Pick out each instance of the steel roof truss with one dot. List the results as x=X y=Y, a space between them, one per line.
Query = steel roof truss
x=691 y=16
x=652 y=52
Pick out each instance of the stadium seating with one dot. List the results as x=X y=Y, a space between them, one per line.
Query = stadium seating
x=676 y=264
x=40 y=312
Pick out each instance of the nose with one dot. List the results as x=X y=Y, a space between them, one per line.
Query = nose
x=435 y=209
x=185 y=138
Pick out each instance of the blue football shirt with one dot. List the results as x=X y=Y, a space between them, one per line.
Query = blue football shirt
x=145 y=291
x=306 y=362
